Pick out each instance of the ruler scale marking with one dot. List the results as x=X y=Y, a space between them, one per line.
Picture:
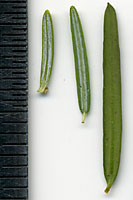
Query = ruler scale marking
x=13 y=100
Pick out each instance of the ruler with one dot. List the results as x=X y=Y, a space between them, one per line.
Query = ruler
x=13 y=100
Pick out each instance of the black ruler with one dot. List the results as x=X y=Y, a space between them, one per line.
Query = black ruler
x=13 y=100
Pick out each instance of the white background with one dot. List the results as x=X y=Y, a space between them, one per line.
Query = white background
x=65 y=156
